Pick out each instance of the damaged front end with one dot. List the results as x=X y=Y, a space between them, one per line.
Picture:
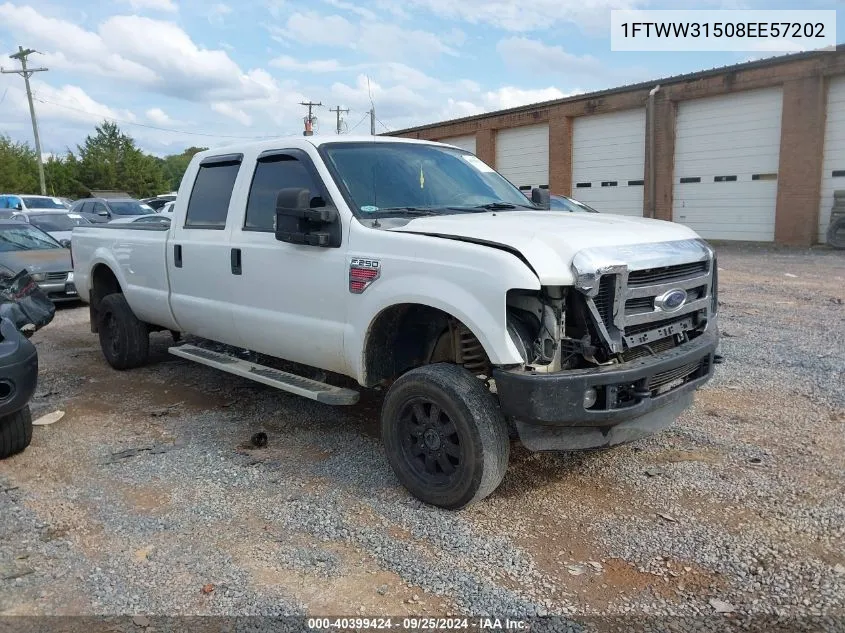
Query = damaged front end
x=636 y=334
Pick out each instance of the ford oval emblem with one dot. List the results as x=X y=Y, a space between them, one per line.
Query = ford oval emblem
x=671 y=301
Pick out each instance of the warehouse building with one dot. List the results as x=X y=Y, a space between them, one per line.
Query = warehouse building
x=747 y=152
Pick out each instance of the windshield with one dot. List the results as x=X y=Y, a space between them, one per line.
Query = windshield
x=57 y=221
x=25 y=238
x=42 y=203
x=381 y=177
x=129 y=207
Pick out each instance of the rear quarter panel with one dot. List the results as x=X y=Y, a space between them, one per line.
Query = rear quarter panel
x=137 y=257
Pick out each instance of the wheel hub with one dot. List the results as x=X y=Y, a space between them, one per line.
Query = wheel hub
x=432 y=439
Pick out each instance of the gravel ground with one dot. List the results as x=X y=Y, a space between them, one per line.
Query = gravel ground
x=146 y=498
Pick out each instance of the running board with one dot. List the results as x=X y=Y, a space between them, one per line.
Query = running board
x=313 y=389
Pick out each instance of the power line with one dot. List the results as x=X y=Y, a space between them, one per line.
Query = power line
x=309 y=120
x=151 y=127
x=337 y=110
x=366 y=114
x=26 y=73
x=383 y=125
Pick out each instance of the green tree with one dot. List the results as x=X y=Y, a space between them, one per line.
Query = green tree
x=18 y=167
x=109 y=159
x=175 y=165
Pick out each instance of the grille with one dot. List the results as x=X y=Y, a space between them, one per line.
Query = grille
x=604 y=298
x=657 y=347
x=670 y=375
x=666 y=274
x=56 y=276
x=643 y=304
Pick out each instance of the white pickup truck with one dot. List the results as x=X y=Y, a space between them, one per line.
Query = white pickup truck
x=414 y=267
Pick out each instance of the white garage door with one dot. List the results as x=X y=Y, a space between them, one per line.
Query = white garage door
x=833 y=167
x=464 y=142
x=726 y=162
x=608 y=161
x=522 y=155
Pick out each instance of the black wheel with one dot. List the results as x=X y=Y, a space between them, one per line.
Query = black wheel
x=836 y=232
x=444 y=436
x=124 y=339
x=15 y=432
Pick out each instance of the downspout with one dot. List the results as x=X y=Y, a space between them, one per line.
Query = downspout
x=652 y=171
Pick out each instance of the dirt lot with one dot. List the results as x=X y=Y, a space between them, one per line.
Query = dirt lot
x=146 y=498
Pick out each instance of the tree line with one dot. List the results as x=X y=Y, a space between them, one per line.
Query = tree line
x=107 y=160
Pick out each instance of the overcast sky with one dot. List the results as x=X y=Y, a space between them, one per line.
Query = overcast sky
x=240 y=69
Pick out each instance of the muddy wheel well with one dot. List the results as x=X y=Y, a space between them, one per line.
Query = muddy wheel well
x=103 y=282
x=410 y=335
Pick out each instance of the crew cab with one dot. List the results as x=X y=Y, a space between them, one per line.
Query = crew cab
x=415 y=268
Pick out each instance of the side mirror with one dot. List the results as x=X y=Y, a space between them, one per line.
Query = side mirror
x=18 y=206
x=301 y=219
x=103 y=213
x=65 y=243
x=541 y=197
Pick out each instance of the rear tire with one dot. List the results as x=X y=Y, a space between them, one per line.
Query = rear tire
x=124 y=339
x=444 y=436
x=836 y=232
x=15 y=432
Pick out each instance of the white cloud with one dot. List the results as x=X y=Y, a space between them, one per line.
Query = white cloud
x=535 y=56
x=228 y=110
x=352 y=8
x=511 y=97
x=526 y=16
x=286 y=62
x=153 y=5
x=217 y=12
x=68 y=103
x=153 y=54
x=378 y=40
x=158 y=116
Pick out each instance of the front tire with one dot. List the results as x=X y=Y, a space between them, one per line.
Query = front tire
x=124 y=339
x=444 y=436
x=15 y=432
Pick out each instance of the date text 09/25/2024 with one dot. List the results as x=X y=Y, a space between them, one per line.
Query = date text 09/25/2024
x=421 y=624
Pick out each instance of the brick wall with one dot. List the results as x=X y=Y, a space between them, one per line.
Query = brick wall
x=803 y=78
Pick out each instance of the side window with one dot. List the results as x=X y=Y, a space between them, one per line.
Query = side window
x=271 y=174
x=98 y=207
x=4 y=203
x=208 y=205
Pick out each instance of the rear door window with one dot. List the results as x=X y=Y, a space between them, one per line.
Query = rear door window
x=208 y=205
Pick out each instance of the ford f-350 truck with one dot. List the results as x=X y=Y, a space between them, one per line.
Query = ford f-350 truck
x=414 y=267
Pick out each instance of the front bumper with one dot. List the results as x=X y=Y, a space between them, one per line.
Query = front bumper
x=549 y=411
x=59 y=291
x=18 y=369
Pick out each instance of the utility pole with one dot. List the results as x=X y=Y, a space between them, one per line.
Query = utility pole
x=309 y=120
x=337 y=112
x=26 y=73
x=373 y=121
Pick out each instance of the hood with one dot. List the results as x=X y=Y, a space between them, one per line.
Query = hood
x=53 y=260
x=61 y=235
x=549 y=240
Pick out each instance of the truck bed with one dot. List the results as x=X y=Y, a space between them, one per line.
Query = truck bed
x=137 y=255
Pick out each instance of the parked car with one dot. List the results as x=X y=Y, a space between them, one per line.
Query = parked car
x=59 y=224
x=9 y=203
x=155 y=218
x=18 y=379
x=168 y=208
x=158 y=202
x=24 y=246
x=102 y=210
x=414 y=266
x=564 y=203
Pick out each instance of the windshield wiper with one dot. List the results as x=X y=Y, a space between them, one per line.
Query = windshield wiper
x=403 y=211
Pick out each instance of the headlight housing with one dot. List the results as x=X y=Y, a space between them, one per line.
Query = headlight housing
x=38 y=276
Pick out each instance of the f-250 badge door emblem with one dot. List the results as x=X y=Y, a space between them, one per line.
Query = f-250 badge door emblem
x=362 y=273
